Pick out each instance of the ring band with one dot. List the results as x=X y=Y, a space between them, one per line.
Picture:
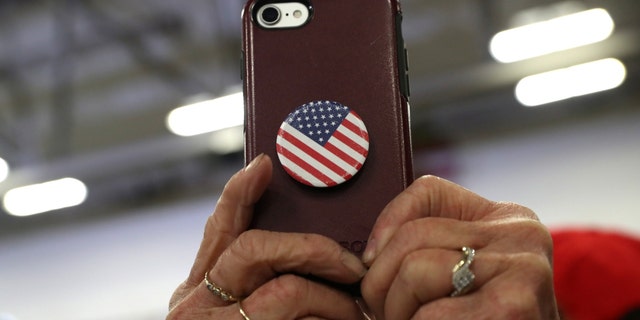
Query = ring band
x=463 y=277
x=364 y=309
x=242 y=312
x=217 y=291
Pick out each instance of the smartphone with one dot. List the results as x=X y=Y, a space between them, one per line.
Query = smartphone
x=326 y=97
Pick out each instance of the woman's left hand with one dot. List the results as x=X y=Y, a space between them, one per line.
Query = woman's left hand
x=417 y=240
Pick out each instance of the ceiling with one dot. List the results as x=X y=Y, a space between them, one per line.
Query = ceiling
x=85 y=87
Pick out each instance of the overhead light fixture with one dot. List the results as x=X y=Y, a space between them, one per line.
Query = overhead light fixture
x=4 y=170
x=558 y=34
x=227 y=141
x=45 y=197
x=207 y=116
x=570 y=82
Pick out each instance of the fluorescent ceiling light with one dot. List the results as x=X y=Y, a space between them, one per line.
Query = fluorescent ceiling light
x=227 y=141
x=44 y=197
x=207 y=116
x=570 y=82
x=4 y=170
x=552 y=35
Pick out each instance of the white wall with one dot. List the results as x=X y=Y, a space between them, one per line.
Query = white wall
x=588 y=174
x=115 y=270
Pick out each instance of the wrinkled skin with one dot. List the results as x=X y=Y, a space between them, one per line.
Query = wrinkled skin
x=417 y=240
x=262 y=267
x=410 y=254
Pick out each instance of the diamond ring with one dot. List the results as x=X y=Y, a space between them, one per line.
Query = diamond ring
x=217 y=291
x=463 y=277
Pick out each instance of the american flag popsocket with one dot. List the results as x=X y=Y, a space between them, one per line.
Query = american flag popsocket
x=322 y=143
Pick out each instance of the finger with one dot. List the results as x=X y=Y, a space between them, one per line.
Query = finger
x=428 y=196
x=196 y=306
x=521 y=291
x=465 y=307
x=426 y=275
x=231 y=215
x=417 y=235
x=257 y=256
x=439 y=233
x=293 y=297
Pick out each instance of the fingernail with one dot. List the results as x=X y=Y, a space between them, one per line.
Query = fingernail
x=370 y=251
x=353 y=263
x=254 y=163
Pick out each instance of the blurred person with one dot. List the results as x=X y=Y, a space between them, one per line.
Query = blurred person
x=437 y=251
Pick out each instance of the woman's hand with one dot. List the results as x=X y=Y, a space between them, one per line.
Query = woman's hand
x=262 y=268
x=417 y=240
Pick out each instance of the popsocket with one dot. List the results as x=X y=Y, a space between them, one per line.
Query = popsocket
x=322 y=144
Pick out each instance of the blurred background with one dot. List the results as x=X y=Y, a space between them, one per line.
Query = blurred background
x=87 y=86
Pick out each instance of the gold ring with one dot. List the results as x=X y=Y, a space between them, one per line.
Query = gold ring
x=366 y=311
x=242 y=313
x=217 y=291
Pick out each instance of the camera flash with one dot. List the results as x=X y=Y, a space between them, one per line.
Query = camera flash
x=297 y=14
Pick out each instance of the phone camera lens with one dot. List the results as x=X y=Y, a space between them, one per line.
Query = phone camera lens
x=269 y=14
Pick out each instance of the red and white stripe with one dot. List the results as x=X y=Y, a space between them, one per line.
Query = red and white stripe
x=329 y=165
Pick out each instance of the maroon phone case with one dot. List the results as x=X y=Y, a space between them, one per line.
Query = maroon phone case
x=351 y=51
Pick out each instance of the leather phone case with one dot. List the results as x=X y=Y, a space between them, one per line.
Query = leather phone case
x=350 y=51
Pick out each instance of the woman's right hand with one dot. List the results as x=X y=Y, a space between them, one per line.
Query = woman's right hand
x=265 y=270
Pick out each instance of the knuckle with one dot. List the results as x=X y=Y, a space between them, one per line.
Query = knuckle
x=518 y=305
x=428 y=180
x=409 y=230
x=535 y=234
x=522 y=299
x=511 y=208
x=427 y=268
x=408 y=270
x=189 y=313
x=287 y=288
x=530 y=232
x=537 y=267
x=512 y=302
x=246 y=241
x=247 y=245
x=315 y=242
x=424 y=186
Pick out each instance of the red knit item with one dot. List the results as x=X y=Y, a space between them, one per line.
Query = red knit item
x=596 y=274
